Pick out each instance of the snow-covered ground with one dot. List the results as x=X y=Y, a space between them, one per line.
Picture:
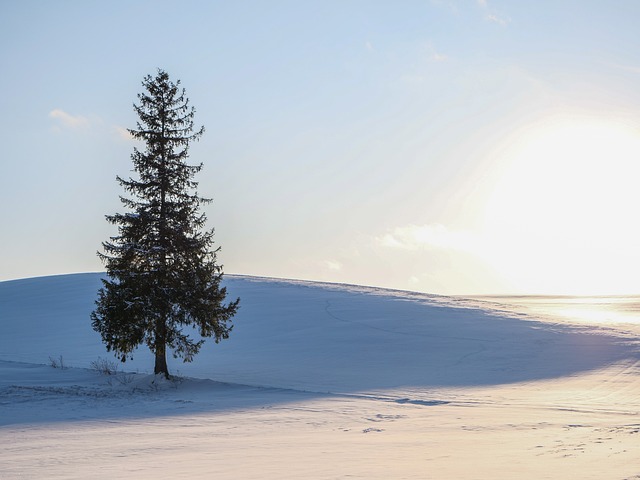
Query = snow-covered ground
x=320 y=381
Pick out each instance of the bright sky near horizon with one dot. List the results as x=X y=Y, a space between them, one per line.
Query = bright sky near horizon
x=444 y=146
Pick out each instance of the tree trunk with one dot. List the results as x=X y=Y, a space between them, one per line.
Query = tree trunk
x=161 y=362
x=161 y=348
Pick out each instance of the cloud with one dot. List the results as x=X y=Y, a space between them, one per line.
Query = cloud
x=333 y=265
x=426 y=55
x=64 y=120
x=500 y=20
x=425 y=237
x=122 y=132
x=493 y=17
x=369 y=46
x=433 y=54
x=67 y=120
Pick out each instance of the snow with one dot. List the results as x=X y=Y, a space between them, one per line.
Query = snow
x=320 y=381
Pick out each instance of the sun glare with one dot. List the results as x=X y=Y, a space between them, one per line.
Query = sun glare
x=562 y=215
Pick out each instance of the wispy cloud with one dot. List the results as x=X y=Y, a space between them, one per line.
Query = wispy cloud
x=439 y=57
x=499 y=19
x=333 y=265
x=492 y=16
x=427 y=55
x=420 y=237
x=434 y=54
x=67 y=120
x=63 y=120
x=369 y=46
x=490 y=13
x=122 y=132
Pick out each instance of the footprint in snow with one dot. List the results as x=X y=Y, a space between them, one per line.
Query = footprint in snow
x=369 y=430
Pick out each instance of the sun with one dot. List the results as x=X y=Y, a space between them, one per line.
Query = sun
x=563 y=213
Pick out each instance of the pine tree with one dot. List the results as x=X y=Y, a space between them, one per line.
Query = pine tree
x=162 y=277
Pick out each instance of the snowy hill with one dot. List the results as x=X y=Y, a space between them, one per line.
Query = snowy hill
x=318 y=337
x=326 y=360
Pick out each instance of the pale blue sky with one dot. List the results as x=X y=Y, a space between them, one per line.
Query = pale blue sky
x=460 y=146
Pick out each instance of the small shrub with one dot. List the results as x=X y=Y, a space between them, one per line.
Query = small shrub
x=104 y=366
x=125 y=379
x=57 y=362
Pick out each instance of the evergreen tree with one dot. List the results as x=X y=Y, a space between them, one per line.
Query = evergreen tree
x=162 y=277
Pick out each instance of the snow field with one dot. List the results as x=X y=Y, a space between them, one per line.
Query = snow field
x=318 y=381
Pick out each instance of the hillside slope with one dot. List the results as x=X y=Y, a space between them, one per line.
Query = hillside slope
x=315 y=336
